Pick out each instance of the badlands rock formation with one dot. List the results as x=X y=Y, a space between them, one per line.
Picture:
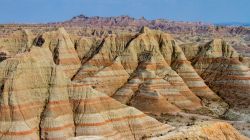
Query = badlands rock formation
x=57 y=85
x=220 y=67
x=39 y=102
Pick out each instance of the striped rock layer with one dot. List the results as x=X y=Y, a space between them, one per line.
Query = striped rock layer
x=39 y=102
x=138 y=68
x=54 y=86
x=62 y=48
x=98 y=114
x=152 y=92
x=220 y=66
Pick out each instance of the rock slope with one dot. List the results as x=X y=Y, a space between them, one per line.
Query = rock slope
x=220 y=67
x=55 y=85
x=39 y=102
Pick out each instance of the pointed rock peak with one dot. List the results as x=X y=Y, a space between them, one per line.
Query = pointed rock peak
x=62 y=31
x=145 y=29
x=158 y=33
x=219 y=48
x=55 y=33
x=57 y=30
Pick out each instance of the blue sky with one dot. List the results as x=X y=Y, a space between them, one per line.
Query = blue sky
x=41 y=11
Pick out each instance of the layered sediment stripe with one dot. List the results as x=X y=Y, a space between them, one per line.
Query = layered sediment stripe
x=125 y=93
x=19 y=129
x=39 y=102
x=169 y=100
x=178 y=84
x=63 y=51
x=103 y=55
x=57 y=117
x=218 y=64
x=194 y=81
x=109 y=79
x=150 y=92
x=66 y=56
x=233 y=77
x=46 y=113
x=109 y=118
x=18 y=120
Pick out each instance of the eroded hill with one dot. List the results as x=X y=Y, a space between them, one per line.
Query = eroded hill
x=57 y=85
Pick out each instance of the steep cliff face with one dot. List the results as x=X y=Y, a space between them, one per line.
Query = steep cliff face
x=52 y=88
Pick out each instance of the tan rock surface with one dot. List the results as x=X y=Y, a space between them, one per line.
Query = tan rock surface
x=57 y=86
x=39 y=102
x=62 y=48
x=17 y=42
x=219 y=65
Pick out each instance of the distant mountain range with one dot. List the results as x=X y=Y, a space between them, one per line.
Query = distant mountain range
x=118 y=20
x=174 y=27
x=234 y=24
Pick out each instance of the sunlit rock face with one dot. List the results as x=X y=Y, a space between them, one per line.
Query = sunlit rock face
x=62 y=48
x=56 y=85
x=221 y=68
x=39 y=102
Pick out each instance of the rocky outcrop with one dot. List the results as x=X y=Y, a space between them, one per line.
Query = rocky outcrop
x=62 y=48
x=151 y=75
x=39 y=102
x=96 y=113
x=136 y=68
x=58 y=86
x=34 y=97
x=219 y=65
